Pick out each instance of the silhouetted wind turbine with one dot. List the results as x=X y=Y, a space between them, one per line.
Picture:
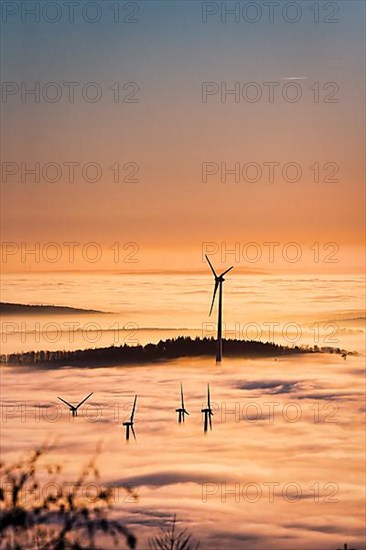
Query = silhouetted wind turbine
x=129 y=424
x=219 y=279
x=74 y=409
x=207 y=411
x=182 y=410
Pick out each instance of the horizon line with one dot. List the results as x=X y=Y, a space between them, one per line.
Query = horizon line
x=355 y=270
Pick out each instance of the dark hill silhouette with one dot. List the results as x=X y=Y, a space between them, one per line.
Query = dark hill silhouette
x=7 y=308
x=163 y=350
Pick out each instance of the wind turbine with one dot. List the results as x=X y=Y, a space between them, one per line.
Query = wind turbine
x=74 y=409
x=182 y=410
x=219 y=279
x=207 y=411
x=129 y=424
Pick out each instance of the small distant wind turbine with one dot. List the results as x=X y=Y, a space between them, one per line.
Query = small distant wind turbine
x=219 y=279
x=182 y=410
x=74 y=409
x=207 y=411
x=129 y=424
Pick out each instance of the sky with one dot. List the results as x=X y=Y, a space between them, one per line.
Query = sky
x=299 y=171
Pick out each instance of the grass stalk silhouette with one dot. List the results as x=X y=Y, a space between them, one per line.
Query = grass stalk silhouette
x=172 y=537
x=57 y=520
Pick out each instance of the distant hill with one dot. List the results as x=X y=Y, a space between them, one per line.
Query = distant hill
x=7 y=308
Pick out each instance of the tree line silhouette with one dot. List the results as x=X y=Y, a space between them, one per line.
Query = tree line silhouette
x=175 y=348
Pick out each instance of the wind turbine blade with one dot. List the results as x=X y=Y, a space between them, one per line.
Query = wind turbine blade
x=227 y=271
x=83 y=401
x=214 y=294
x=208 y=397
x=133 y=409
x=133 y=432
x=211 y=266
x=210 y=421
x=66 y=403
x=181 y=396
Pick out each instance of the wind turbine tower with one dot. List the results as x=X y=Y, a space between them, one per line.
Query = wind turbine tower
x=182 y=410
x=207 y=412
x=219 y=280
x=129 y=423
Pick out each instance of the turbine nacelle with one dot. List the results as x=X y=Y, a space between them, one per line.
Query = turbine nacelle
x=184 y=411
